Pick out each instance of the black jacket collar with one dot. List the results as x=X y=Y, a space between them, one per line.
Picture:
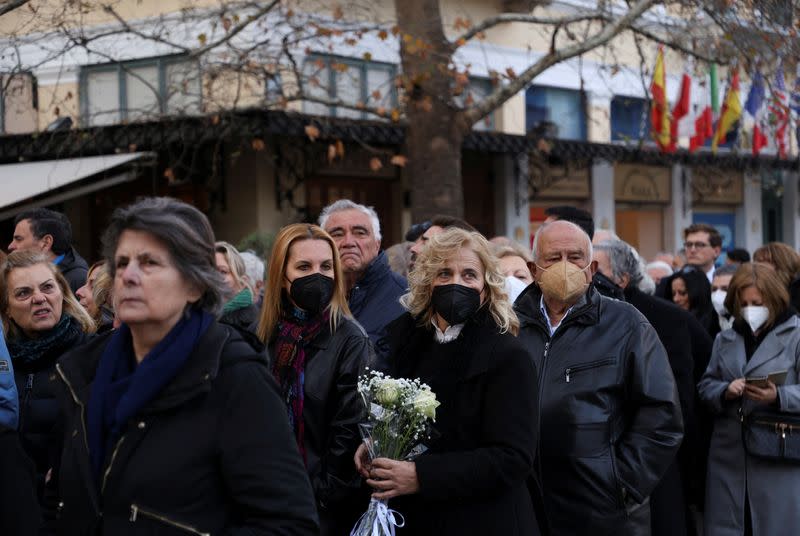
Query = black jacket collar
x=376 y=270
x=585 y=311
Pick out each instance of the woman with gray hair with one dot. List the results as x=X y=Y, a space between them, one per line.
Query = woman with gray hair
x=459 y=337
x=172 y=422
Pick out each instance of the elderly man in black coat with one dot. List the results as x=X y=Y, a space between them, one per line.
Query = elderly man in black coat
x=622 y=266
x=610 y=416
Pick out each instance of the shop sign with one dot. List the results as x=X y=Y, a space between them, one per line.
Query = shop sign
x=713 y=186
x=642 y=184
x=560 y=183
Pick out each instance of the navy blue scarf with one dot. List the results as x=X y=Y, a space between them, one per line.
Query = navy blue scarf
x=121 y=388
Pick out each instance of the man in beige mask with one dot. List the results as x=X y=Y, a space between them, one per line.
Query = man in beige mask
x=562 y=267
x=609 y=417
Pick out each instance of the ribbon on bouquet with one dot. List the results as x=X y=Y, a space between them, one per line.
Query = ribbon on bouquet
x=382 y=524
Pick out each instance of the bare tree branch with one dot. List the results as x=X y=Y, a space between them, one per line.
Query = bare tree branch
x=236 y=29
x=11 y=5
x=530 y=19
x=475 y=113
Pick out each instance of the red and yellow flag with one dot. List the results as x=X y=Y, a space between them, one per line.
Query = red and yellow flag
x=731 y=111
x=659 y=107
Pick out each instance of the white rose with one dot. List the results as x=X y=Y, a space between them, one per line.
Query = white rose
x=387 y=392
x=425 y=403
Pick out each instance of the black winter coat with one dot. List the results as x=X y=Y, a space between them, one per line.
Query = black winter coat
x=19 y=509
x=610 y=417
x=39 y=406
x=375 y=301
x=473 y=477
x=668 y=501
x=213 y=453
x=74 y=269
x=332 y=411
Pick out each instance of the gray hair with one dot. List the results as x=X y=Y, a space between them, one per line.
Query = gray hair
x=544 y=226
x=624 y=259
x=186 y=233
x=726 y=269
x=254 y=266
x=660 y=265
x=345 y=204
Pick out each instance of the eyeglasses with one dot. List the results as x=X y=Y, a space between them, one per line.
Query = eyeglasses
x=695 y=245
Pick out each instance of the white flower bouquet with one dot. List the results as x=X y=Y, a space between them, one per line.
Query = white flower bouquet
x=399 y=417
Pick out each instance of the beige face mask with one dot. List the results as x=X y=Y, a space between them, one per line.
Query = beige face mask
x=563 y=281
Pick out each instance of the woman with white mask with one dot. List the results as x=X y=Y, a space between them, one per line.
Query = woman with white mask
x=753 y=378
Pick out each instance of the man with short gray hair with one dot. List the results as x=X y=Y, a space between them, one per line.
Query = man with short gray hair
x=610 y=421
x=373 y=289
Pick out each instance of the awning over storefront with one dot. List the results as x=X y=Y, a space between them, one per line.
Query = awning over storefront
x=29 y=180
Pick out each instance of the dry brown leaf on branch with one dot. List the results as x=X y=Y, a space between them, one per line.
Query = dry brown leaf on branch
x=367 y=56
x=399 y=160
x=258 y=144
x=338 y=13
x=169 y=175
x=331 y=153
x=339 y=149
x=395 y=115
x=510 y=73
x=202 y=38
x=312 y=132
x=375 y=164
x=226 y=24
x=383 y=35
x=376 y=95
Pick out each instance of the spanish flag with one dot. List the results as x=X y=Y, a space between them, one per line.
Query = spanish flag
x=659 y=107
x=731 y=111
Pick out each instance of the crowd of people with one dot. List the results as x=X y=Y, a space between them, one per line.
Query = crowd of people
x=180 y=386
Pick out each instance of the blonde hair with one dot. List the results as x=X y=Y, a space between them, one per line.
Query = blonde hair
x=783 y=258
x=102 y=288
x=25 y=259
x=273 y=289
x=768 y=283
x=441 y=248
x=512 y=250
x=235 y=263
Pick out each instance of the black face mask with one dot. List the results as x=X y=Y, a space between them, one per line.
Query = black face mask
x=312 y=293
x=455 y=303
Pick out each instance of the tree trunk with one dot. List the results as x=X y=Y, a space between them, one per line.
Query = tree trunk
x=435 y=132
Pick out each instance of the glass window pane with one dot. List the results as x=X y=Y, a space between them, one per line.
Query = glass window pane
x=316 y=83
x=142 y=89
x=183 y=87
x=629 y=119
x=562 y=107
x=479 y=89
x=102 y=94
x=348 y=88
x=380 y=82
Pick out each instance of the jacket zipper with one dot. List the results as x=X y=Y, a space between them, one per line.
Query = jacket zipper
x=77 y=401
x=111 y=463
x=136 y=510
x=586 y=366
x=24 y=400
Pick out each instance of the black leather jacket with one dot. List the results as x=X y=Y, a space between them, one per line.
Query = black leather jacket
x=610 y=417
x=332 y=411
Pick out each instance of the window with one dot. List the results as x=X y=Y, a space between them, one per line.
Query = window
x=630 y=119
x=565 y=108
x=478 y=89
x=139 y=90
x=351 y=81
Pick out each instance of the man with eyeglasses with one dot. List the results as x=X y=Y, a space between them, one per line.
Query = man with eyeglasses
x=703 y=244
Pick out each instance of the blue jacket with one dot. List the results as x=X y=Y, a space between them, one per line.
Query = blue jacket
x=375 y=301
x=9 y=400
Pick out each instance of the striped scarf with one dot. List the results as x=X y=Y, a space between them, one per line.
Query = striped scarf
x=289 y=362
